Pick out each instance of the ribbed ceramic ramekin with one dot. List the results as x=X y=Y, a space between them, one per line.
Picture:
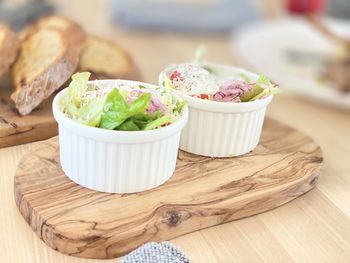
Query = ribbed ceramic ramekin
x=117 y=161
x=222 y=129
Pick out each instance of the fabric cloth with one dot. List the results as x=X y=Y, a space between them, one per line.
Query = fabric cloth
x=152 y=252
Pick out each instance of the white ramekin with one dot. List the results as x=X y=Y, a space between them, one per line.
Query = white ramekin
x=219 y=129
x=117 y=161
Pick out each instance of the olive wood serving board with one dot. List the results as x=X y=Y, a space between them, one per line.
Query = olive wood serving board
x=16 y=129
x=203 y=192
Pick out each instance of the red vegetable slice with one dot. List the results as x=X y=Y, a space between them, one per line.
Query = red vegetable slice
x=175 y=75
x=201 y=96
x=204 y=96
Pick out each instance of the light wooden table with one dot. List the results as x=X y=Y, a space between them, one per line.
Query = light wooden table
x=313 y=228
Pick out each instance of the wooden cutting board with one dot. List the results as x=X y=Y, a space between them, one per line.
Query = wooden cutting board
x=15 y=129
x=203 y=192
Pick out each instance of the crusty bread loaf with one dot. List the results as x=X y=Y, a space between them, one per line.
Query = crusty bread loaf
x=105 y=59
x=9 y=46
x=74 y=32
x=46 y=61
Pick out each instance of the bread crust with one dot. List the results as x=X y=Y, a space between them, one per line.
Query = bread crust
x=132 y=72
x=9 y=47
x=29 y=93
x=74 y=33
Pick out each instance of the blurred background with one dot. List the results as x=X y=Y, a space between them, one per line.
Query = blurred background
x=302 y=45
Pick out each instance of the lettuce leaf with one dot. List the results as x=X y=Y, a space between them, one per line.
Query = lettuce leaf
x=179 y=104
x=116 y=110
x=90 y=112
x=84 y=110
x=200 y=52
x=158 y=122
x=144 y=122
x=78 y=87
x=262 y=88
x=141 y=120
x=254 y=93
x=128 y=125
x=140 y=105
x=167 y=82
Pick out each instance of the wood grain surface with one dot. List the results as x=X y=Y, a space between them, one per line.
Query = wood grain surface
x=16 y=129
x=202 y=192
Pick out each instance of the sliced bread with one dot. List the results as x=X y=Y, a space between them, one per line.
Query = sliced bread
x=106 y=59
x=74 y=32
x=9 y=46
x=46 y=61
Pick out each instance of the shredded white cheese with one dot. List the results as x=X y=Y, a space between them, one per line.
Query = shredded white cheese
x=192 y=79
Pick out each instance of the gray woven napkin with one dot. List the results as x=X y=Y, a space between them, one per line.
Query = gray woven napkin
x=152 y=252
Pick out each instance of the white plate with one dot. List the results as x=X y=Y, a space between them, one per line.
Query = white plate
x=263 y=46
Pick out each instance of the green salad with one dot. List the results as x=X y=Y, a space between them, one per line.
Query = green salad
x=125 y=105
x=207 y=83
x=212 y=82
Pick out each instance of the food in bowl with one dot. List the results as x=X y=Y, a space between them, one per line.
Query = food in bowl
x=118 y=136
x=201 y=81
x=126 y=106
x=226 y=107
